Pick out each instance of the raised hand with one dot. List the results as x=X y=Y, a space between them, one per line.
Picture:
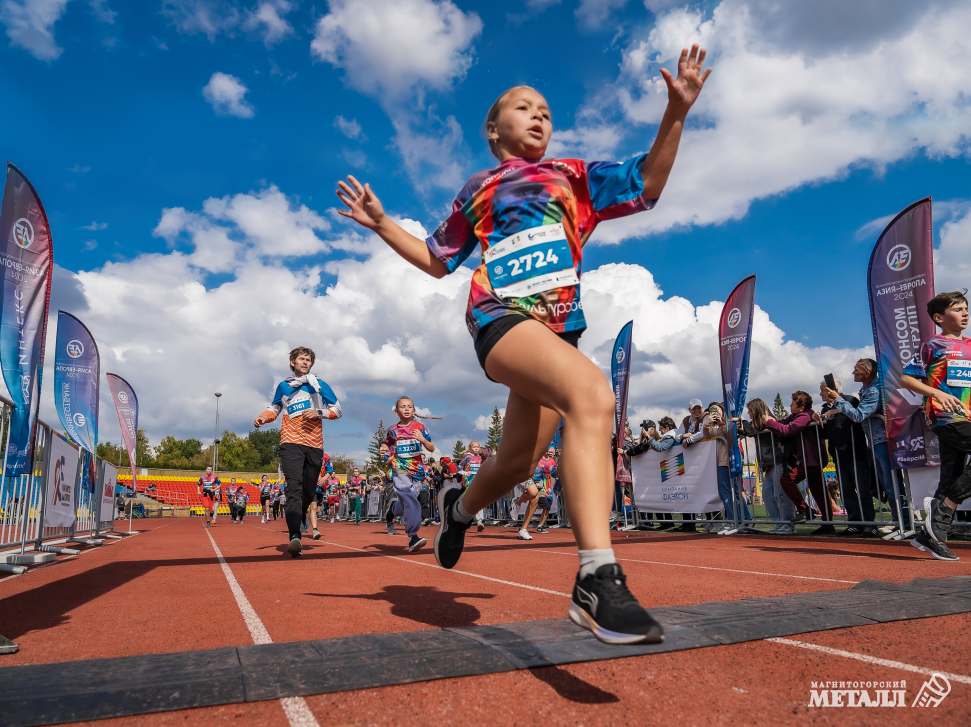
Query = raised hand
x=683 y=91
x=364 y=206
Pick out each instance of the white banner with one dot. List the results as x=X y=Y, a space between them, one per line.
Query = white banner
x=923 y=483
x=678 y=480
x=106 y=512
x=61 y=478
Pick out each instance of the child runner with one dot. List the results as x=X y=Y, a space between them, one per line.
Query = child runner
x=942 y=373
x=207 y=488
x=320 y=493
x=531 y=218
x=230 y=492
x=333 y=495
x=544 y=483
x=242 y=500
x=468 y=466
x=304 y=401
x=355 y=494
x=405 y=440
x=276 y=493
x=266 y=495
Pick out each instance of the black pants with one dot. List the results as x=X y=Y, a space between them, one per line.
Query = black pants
x=301 y=467
x=855 y=485
x=424 y=499
x=955 y=441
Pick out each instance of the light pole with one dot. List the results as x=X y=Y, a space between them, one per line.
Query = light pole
x=215 y=438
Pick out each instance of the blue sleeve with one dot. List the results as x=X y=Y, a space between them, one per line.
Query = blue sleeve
x=329 y=469
x=281 y=389
x=425 y=433
x=661 y=445
x=613 y=183
x=326 y=393
x=217 y=481
x=869 y=404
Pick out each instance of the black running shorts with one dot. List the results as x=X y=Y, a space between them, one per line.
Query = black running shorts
x=489 y=336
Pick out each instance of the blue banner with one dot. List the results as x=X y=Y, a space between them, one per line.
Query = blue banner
x=735 y=345
x=27 y=258
x=620 y=379
x=77 y=383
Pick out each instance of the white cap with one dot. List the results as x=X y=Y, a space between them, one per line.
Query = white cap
x=694 y=402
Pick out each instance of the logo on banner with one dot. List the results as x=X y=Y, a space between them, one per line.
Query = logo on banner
x=122 y=397
x=672 y=467
x=734 y=317
x=620 y=355
x=25 y=388
x=59 y=464
x=23 y=233
x=898 y=258
x=79 y=420
x=75 y=349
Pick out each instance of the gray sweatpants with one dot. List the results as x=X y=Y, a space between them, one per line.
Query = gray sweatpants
x=407 y=506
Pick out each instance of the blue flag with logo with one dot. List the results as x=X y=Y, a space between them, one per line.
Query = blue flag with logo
x=126 y=406
x=27 y=259
x=734 y=346
x=77 y=384
x=620 y=378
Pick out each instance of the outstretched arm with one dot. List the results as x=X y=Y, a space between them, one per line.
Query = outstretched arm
x=365 y=208
x=682 y=93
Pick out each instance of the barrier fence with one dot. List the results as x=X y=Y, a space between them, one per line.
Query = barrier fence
x=27 y=534
x=866 y=491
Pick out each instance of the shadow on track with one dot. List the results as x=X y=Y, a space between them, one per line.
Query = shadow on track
x=571 y=687
x=423 y=604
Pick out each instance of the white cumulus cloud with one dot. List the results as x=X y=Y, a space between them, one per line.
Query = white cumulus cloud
x=267 y=18
x=226 y=94
x=30 y=25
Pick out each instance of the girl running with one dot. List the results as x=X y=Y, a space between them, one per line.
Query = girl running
x=266 y=495
x=355 y=495
x=531 y=218
x=207 y=488
x=405 y=440
x=468 y=466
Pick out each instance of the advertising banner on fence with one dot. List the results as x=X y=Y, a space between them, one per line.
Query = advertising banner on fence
x=106 y=508
x=678 y=480
x=900 y=282
x=77 y=382
x=27 y=258
x=734 y=347
x=61 y=478
x=126 y=404
x=620 y=378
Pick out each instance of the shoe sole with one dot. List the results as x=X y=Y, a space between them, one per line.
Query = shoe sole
x=442 y=525
x=316 y=535
x=294 y=548
x=480 y=527
x=417 y=546
x=929 y=524
x=522 y=538
x=582 y=619
x=925 y=549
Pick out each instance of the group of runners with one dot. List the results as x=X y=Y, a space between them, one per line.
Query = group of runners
x=234 y=494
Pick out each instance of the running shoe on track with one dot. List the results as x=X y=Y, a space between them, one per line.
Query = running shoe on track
x=451 y=533
x=316 y=535
x=523 y=534
x=542 y=531
x=416 y=543
x=480 y=527
x=604 y=605
x=295 y=548
x=391 y=530
x=937 y=524
x=926 y=544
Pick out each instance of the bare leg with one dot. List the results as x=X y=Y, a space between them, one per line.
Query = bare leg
x=542 y=518
x=549 y=379
x=531 y=507
x=313 y=515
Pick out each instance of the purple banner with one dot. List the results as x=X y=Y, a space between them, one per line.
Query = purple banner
x=734 y=347
x=126 y=404
x=27 y=259
x=900 y=282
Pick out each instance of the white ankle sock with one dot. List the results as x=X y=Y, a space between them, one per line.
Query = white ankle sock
x=590 y=560
x=461 y=514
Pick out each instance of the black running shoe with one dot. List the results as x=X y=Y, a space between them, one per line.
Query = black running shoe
x=451 y=533
x=937 y=524
x=802 y=515
x=925 y=543
x=603 y=604
x=295 y=548
x=416 y=543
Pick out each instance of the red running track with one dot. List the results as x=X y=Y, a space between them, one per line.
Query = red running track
x=164 y=590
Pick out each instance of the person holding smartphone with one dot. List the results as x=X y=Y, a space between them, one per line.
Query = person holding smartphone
x=735 y=507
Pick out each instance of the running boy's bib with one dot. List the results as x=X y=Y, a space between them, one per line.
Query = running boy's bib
x=531 y=262
x=473 y=469
x=959 y=373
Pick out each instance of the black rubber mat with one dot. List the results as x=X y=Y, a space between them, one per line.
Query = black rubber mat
x=101 y=688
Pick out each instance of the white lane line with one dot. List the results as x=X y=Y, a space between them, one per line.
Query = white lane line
x=460 y=572
x=295 y=708
x=872 y=660
x=709 y=567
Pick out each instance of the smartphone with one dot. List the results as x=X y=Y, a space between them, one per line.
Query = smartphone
x=830 y=381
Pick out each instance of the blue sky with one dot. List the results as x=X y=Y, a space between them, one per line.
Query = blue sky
x=804 y=139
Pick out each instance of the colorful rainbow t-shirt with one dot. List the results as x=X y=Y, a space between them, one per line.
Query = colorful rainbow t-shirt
x=945 y=364
x=405 y=450
x=521 y=195
x=543 y=477
x=470 y=465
